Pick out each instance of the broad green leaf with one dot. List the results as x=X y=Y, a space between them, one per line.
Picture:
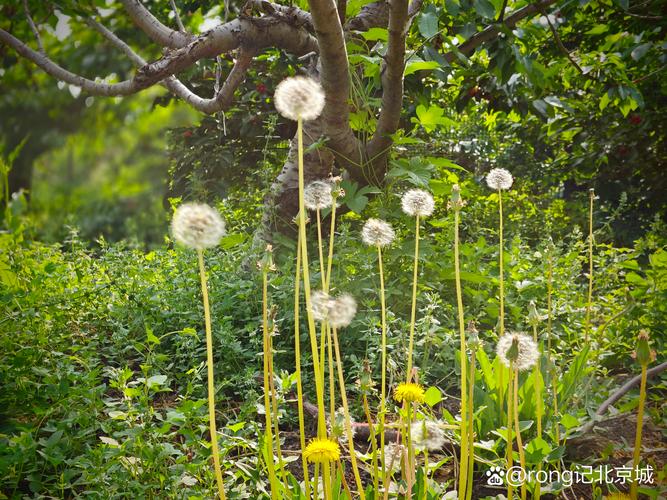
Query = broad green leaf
x=374 y=34
x=537 y=450
x=428 y=24
x=569 y=421
x=485 y=8
x=432 y=396
x=640 y=51
x=419 y=65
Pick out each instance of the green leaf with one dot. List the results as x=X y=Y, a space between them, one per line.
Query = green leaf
x=428 y=24
x=569 y=421
x=537 y=450
x=419 y=65
x=152 y=339
x=156 y=381
x=432 y=396
x=604 y=101
x=432 y=117
x=598 y=29
x=640 y=51
x=374 y=34
x=485 y=8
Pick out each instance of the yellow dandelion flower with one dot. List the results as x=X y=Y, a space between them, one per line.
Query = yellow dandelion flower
x=322 y=450
x=409 y=393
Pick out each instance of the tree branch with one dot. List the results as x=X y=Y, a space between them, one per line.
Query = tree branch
x=392 y=80
x=559 y=42
x=293 y=14
x=179 y=23
x=255 y=34
x=33 y=27
x=372 y=15
x=150 y=25
x=221 y=101
x=490 y=32
x=335 y=81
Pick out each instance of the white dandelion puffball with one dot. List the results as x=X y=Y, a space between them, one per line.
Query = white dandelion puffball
x=499 y=178
x=417 y=202
x=299 y=97
x=318 y=195
x=527 y=354
x=197 y=225
x=319 y=305
x=377 y=232
x=427 y=435
x=342 y=311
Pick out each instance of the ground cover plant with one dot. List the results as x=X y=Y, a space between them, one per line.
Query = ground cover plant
x=429 y=266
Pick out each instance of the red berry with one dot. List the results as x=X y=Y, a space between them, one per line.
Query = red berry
x=635 y=119
x=187 y=133
x=261 y=88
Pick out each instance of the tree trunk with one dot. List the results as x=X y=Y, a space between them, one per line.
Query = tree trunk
x=282 y=202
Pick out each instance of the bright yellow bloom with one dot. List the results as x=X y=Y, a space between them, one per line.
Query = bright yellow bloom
x=409 y=393
x=322 y=450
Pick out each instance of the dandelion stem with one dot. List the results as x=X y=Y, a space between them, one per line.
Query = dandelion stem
x=552 y=375
x=383 y=393
x=317 y=367
x=471 y=453
x=463 y=468
x=268 y=405
x=297 y=357
x=409 y=468
x=332 y=375
x=320 y=249
x=537 y=375
x=519 y=443
x=274 y=412
x=327 y=282
x=319 y=382
x=348 y=423
x=211 y=381
x=638 y=434
x=510 y=439
x=501 y=295
x=374 y=445
x=413 y=313
x=591 y=197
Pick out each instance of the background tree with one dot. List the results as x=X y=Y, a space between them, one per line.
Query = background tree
x=394 y=73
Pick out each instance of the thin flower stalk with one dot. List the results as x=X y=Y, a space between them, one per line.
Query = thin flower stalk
x=538 y=409
x=383 y=349
x=211 y=381
x=589 y=301
x=552 y=368
x=317 y=360
x=510 y=438
x=471 y=399
x=297 y=357
x=499 y=180
x=275 y=414
x=413 y=311
x=456 y=204
x=348 y=422
x=374 y=446
x=644 y=355
x=268 y=404
x=519 y=442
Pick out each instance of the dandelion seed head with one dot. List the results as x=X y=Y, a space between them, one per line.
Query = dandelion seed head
x=319 y=305
x=322 y=450
x=527 y=351
x=409 y=392
x=377 y=232
x=499 y=178
x=427 y=435
x=197 y=225
x=318 y=195
x=299 y=97
x=417 y=202
x=342 y=310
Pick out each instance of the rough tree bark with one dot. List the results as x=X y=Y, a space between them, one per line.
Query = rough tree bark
x=261 y=24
